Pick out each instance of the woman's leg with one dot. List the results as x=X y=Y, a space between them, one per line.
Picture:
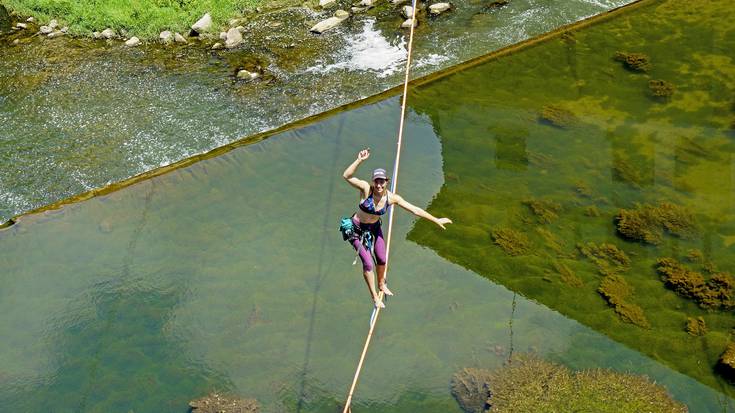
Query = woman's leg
x=367 y=270
x=379 y=247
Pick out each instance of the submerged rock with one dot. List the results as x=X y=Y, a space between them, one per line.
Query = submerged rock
x=557 y=116
x=660 y=88
x=409 y=22
x=233 y=38
x=531 y=384
x=178 y=38
x=327 y=3
x=247 y=75
x=217 y=403
x=470 y=387
x=45 y=30
x=55 y=34
x=202 y=25
x=21 y=25
x=407 y=12
x=637 y=62
x=132 y=42
x=439 y=8
x=217 y=46
x=330 y=23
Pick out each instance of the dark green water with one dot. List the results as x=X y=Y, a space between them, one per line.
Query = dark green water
x=230 y=274
x=625 y=147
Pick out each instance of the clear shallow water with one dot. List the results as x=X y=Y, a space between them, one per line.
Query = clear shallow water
x=77 y=116
x=230 y=274
x=624 y=147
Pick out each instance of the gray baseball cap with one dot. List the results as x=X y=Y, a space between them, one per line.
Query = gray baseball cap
x=380 y=174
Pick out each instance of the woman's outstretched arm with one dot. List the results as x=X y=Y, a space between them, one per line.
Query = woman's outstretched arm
x=397 y=199
x=347 y=174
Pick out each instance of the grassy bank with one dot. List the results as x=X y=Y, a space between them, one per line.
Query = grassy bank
x=143 y=18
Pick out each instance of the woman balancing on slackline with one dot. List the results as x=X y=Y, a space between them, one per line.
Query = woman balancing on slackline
x=364 y=226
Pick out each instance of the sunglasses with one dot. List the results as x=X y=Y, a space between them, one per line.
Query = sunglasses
x=380 y=181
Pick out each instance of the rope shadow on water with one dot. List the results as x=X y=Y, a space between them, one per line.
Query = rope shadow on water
x=321 y=271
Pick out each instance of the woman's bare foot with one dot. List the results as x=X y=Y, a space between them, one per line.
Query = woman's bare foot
x=378 y=303
x=385 y=290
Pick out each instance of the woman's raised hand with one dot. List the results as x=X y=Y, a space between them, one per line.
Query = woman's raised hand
x=442 y=221
x=363 y=154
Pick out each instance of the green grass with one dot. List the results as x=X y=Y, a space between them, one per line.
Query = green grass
x=142 y=18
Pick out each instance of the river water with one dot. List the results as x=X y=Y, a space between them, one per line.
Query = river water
x=77 y=115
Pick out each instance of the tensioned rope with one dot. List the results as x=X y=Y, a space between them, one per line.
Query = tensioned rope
x=394 y=185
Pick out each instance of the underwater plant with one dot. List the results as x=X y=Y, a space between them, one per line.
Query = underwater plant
x=716 y=293
x=546 y=211
x=583 y=189
x=660 y=88
x=696 y=326
x=511 y=241
x=637 y=62
x=556 y=116
x=647 y=223
x=625 y=171
x=528 y=383
x=592 y=211
x=607 y=257
x=217 y=403
x=567 y=275
x=616 y=291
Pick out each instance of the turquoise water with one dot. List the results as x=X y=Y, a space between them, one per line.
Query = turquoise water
x=77 y=115
x=230 y=274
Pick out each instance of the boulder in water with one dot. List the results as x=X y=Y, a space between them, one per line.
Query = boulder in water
x=132 y=42
x=439 y=8
x=203 y=24
x=407 y=12
x=327 y=3
x=409 y=22
x=233 y=38
x=178 y=38
x=330 y=23
x=471 y=389
x=55 y=34
x=247 y=75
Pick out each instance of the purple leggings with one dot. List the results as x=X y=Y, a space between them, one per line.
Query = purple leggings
x=378 y=244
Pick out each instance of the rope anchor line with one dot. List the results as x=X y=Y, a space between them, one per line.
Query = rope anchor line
x=394 y=185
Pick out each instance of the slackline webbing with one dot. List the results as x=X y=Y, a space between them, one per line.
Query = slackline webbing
x=394 y=185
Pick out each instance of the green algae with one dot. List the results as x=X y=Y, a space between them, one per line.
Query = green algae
x=696 y=327
x=529 y=383
x=651 y=179
x=557 y=116
x=617 y=292
x=716 y=293
x=511 y=241
x=546 y=211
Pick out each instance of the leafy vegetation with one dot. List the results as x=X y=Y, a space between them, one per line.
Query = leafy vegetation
x=144 y=18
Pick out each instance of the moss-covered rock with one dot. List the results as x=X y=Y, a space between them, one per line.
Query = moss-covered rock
x=557 y=116
x=546 y=211
x=217 y=403
x=647 y=223
x=616 y=291
x=637 y=62
x=716 y=293
x=696 y=326
x=661 y=88
x=530 y=384
x=511 y=241
x=470 y=389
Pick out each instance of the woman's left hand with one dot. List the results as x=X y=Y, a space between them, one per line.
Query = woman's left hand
x=442 y=221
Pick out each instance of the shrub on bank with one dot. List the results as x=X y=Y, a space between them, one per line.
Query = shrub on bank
x=144 y=18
